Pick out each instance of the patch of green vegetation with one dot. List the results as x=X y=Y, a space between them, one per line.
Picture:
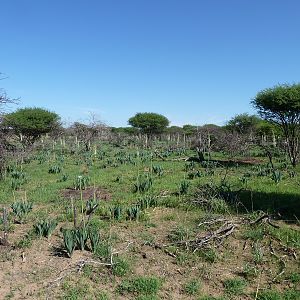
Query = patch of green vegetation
x=179 y=234
x=234 y=286
x=191 y=287
x=27 y=239
x=121 y=267
x=293 y=277
x=289 y=294
x=286 y=235
x=140 y=285
x=209 y=255
x=212 y=298
x=74 y=291
x=256 y=233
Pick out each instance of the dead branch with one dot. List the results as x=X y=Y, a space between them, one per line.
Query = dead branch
x=264 y=217
x=216 y=236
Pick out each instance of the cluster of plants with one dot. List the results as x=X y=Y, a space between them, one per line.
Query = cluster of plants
x=81 y=182
x=18 y=178
x=134 y=211
x=142 y=184
x=21 y=209
x=82 y=238
x=55 y=169
x=45 y=228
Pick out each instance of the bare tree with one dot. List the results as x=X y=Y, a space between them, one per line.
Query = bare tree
x=88 y=133
x=5 y=146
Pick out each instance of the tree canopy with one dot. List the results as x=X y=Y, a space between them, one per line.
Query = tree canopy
x=31 y=122
x=149 y=123
x=281 y=105
x=189 y=129
x=243 y=123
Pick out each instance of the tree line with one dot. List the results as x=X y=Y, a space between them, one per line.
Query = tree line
x=277 y=126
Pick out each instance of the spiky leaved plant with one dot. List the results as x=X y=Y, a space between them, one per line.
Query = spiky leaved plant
x=183 y=187
x=116 y=212
x=21 y=209
x=81 y=182
x=276 y=176
x=143 y=183
x=158 y=170
x=45 y=227
x=147 y=201
x=133 y=212
x=69 y=241
x=91 y=205
x=54 y=169
x=81 y=237
x=94 y=237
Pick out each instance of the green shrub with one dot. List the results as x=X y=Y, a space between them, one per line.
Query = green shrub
x=116 y=212
x=81 y=235
x=147 y=201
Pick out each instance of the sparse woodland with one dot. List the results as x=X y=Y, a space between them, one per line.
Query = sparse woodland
x=207 y=212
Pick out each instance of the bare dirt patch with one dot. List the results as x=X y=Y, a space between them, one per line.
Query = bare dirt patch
x=88 y=193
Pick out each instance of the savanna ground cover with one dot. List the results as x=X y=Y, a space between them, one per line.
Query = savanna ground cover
x=119 y=222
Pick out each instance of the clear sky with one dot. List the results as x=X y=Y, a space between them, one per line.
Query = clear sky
x=193 y=61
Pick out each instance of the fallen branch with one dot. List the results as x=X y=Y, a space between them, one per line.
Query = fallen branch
x=216 y=236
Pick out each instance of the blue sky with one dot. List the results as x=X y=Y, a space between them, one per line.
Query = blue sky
x=193 y=61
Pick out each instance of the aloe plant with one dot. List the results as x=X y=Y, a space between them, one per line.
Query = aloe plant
x=94 y=237
x=21 y=209
x=143 y=184
x=45 y=228
x=54 y=169
x=18 y=178
x=147 y=201
x=81 y=237
x=158 y=170
x=81 y=182
x=190 y=166
x=116 y=212
x=133 y=212
x=17 y=174
x=91 y=205
x=69 y=241
x=276 y=176
x=183 y=187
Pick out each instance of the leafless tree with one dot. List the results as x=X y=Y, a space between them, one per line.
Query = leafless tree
x=5 y=146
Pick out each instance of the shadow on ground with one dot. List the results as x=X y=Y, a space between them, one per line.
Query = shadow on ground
x=286 y=205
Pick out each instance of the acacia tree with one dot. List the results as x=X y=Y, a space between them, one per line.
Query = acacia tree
x=30 y=123
x=281 y=106
x=243 y=123
x=149 y=123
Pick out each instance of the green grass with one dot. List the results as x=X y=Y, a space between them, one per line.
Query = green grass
x=121 y=267
x=170 y=220
x=289 y=294
x=192 y=287
x=147 y=286
x=234 y=286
